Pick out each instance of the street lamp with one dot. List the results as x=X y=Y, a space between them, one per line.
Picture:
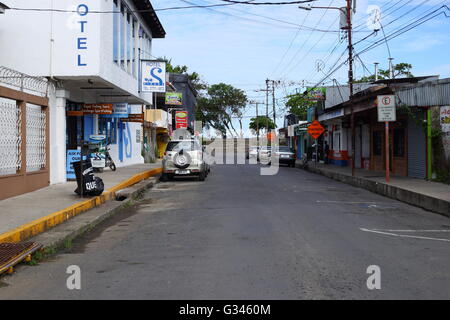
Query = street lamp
x=347 y=12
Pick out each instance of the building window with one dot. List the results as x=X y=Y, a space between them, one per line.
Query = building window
x=377 y=143
x=116 y=30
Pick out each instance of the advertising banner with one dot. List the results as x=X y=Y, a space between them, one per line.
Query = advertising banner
x=316 y=94
x=153 y=78
x=181 y=119
x=444 y=119
x=174 y=98
x=72 y=156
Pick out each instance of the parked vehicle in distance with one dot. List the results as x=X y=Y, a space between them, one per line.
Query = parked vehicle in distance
x=284 y=154
x=184 y=158
x=264 y=154
x=253 y=152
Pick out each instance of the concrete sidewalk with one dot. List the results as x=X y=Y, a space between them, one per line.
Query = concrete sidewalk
x=432 y=196
x=24 y=209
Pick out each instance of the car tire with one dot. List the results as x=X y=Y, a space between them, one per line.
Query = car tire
x=202 y=176
x=186 y=163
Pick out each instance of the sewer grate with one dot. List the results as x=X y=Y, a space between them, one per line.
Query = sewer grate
x=13 y=253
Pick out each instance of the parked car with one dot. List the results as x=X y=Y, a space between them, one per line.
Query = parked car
x=184 y=158
x=253 y=152
x=264 y=154
x=284 y=154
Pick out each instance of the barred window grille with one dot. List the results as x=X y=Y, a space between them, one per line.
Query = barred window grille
x=36 y=138
x=10 y=137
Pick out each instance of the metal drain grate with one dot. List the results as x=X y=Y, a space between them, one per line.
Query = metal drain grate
x=13 y=253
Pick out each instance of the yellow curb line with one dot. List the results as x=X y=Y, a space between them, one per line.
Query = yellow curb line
x=40 y=225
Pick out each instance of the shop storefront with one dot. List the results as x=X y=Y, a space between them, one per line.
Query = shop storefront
x=119 y=124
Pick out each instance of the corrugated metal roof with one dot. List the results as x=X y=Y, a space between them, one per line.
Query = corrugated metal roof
x=337 y=94
x=427 y=94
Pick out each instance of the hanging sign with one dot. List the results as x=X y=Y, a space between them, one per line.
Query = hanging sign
x=134 y=117
x=386 y=108
x=181 y=119
x=174 y=98
x=153 y=78
x=98 y=108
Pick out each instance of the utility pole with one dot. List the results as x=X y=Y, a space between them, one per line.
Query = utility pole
x=347 y=11
x=273 y=103
x=257 y=103
x=350 y=79
x=267 y=105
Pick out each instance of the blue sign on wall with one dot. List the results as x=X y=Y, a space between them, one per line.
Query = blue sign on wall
x=72 y=156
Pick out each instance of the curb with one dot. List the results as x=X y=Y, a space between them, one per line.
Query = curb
x=59 y=237
x=43 y=224
x=410 y=197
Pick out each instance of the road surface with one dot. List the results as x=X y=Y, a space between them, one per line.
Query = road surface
x=239 y=235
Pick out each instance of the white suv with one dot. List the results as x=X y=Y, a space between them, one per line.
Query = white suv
x=184 y=158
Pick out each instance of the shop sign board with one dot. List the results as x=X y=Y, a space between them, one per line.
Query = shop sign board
x=72 y=156
x=181 y=119
x=153 y=78
x=386 y=108
x=98 y=108
x=445 y=126
x=174 y=98
x=134 y=117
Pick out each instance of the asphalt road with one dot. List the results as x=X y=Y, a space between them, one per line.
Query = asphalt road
x=239 y=235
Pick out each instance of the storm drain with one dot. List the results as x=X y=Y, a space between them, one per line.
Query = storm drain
x=14 y=253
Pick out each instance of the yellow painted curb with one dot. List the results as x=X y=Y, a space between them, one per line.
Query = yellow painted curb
x=38 y=226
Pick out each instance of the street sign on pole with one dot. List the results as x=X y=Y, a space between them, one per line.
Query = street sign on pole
x=386 y=114
x=315 y=129
x=386 y=108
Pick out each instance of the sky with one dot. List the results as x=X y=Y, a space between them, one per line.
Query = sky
x=243 y=45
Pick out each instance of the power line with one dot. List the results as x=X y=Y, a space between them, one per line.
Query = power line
x=267 y=3
x=306 y=41
x=393 y=35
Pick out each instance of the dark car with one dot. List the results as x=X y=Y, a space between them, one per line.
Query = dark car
x=284 y=154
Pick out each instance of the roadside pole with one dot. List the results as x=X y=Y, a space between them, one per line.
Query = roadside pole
x=257 y=126
x=267 y=106
x=386 y=114
x=388 y=173
x=315 y=130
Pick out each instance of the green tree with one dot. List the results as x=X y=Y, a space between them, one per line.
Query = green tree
x=402 y=69
x=194 y=77
x=298 y=104
x=261 y=123
x=220 y=105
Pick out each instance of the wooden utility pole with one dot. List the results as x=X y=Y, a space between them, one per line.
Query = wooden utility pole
x=350 y=79
x=273 y=103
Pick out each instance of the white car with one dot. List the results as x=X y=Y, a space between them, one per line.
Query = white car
x=253 y=152
x=184 y=158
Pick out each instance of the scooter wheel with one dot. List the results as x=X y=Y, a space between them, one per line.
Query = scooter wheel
x=112 y=166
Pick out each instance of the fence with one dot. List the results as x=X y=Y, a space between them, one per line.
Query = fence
x=24 y=133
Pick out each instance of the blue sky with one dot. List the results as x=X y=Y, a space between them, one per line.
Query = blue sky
x=243 y=45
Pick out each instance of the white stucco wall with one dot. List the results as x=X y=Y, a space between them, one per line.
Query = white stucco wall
x=65 y=45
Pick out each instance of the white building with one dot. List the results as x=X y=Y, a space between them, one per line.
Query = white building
x=91 y=50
